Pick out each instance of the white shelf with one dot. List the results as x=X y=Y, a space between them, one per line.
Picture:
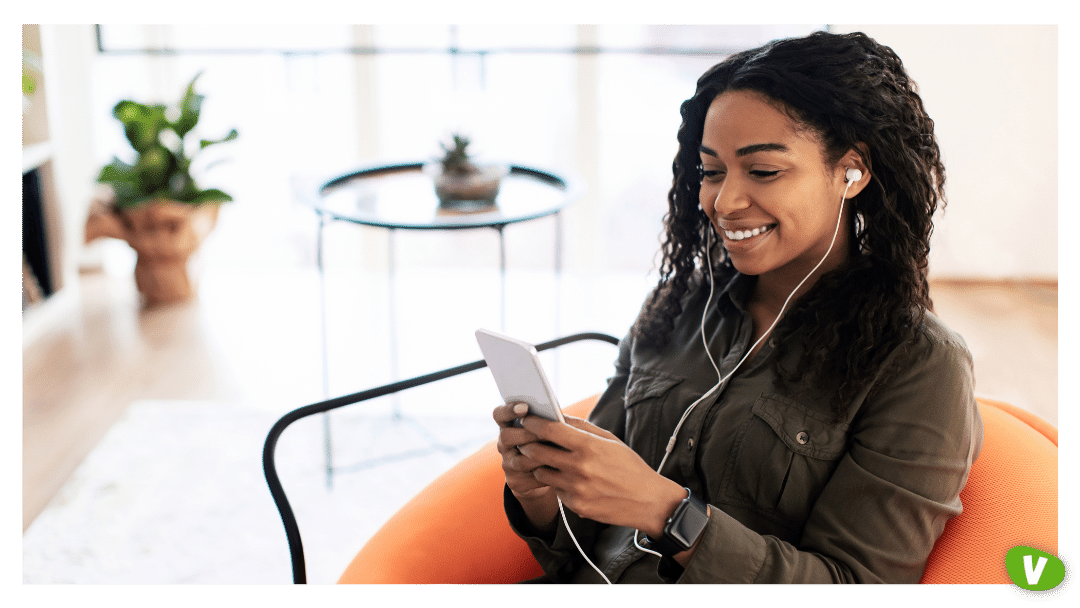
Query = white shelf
x=35 y=155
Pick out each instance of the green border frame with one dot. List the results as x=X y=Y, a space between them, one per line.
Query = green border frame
x=549 y=11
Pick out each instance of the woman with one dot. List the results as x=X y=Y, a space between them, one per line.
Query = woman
x=831 y=437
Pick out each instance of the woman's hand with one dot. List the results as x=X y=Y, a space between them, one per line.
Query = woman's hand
x=538 y=500
x=595 y=474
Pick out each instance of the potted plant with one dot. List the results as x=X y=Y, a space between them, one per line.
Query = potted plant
x=31 y=72
x=458 y=178
x=154 y=203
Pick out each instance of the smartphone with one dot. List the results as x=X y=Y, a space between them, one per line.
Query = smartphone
x=519 y=375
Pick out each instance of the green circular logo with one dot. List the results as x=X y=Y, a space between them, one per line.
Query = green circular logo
x=1034 y=570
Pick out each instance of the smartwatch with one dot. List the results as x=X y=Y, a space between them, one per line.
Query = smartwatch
x=683 y=528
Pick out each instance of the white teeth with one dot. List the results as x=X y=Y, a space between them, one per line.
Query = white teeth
x=738 y=235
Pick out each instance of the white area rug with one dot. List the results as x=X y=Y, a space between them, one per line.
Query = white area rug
x=175 y=493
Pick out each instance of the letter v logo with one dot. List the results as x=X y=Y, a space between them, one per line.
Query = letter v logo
x=1034 y=570
x=1033 y=574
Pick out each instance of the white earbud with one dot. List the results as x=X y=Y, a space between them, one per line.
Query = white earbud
x=853 y=175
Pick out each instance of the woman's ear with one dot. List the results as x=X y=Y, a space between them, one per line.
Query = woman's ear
x=854 y=160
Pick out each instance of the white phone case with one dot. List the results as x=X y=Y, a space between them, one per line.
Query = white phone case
x=518 y=374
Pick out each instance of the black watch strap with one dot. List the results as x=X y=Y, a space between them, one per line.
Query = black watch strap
x=683 y=528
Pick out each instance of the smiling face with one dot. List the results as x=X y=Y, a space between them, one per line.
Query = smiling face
x=769 y=192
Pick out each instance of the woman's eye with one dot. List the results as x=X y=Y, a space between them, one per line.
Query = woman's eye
x=711 y=175
x=763 y=174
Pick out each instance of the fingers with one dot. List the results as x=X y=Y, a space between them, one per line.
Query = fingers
x=534 y=492
x=516 y=461
x=571 y=449
x=519 y=468
x=511 y=436
x=549 y=456
x=505 y=414
x=572 y=435
x=585 y=425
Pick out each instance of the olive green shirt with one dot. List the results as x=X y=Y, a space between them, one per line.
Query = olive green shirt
x=796 y=495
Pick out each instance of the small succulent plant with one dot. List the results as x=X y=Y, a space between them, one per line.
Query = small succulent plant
x=164 y=152
x=458 y=179
x=456 y=160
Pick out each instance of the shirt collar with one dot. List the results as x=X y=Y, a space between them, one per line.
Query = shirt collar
x=738 y=291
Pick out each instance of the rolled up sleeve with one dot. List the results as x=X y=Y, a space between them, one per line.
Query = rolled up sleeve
x=554 y=551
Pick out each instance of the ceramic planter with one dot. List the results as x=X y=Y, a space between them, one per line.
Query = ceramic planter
x=482 y=185
x=164 y=235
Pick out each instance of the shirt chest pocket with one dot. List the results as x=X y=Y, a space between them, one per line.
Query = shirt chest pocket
x=647 y=393
x=784 y=456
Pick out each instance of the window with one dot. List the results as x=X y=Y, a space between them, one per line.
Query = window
x=601 y=102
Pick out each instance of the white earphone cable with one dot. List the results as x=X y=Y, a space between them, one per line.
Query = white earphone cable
x=852 y=178
x=686 y=414
x=580 y=550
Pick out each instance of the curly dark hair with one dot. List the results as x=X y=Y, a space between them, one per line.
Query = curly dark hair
x=854 y=94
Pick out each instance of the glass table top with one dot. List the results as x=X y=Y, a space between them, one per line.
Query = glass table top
x=403 y=196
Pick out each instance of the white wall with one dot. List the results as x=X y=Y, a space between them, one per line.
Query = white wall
x=992 y=92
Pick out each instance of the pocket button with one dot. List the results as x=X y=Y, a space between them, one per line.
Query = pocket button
x=803 y=437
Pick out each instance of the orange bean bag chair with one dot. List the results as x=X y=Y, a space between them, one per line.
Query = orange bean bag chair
x=455 y=530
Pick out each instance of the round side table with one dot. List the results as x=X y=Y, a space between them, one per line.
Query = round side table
x=401 y=197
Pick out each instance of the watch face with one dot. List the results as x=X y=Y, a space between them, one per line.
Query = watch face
x=687 y=523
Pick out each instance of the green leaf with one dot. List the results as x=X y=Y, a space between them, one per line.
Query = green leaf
x=142 y=123
x=31 y=71
x=183 y=166
x=1034 y=570
x=117 y=171
x=190 y=107
x=162 y=170
x=127 y=111
x=212 y=195
x=155 y=167
x=182 y=187
x=29 y=83
x=205 y=143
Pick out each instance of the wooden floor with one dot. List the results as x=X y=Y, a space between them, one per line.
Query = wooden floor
x=80 y=376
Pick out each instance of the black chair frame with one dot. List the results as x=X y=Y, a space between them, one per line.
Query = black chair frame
x=292 y=529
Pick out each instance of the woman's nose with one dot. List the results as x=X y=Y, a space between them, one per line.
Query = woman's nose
x=724 y=199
